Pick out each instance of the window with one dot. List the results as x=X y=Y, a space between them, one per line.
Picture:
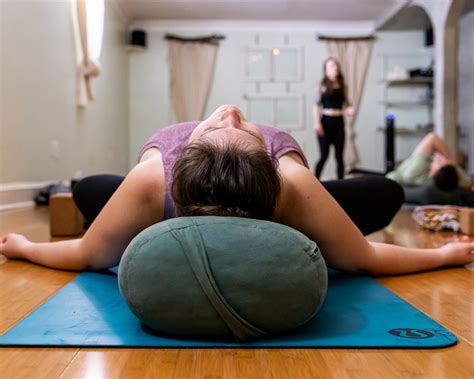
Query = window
x=95 y=27
x=274 y=64
x=92 y=28
x=88 y=22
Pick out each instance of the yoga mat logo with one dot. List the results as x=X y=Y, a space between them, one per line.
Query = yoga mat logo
x=411 y=333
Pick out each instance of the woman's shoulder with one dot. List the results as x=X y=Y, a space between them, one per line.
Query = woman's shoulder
x=291 y=161
x=149 y=177
x=281 y=143
x=165 y=139
x=294 y=174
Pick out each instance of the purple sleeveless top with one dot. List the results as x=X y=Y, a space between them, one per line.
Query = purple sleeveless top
x=172 y=140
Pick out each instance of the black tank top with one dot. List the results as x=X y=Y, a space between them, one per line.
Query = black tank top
x=332 y=99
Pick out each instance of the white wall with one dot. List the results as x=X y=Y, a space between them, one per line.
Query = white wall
x=38 y=87
x=466 y=86
x=150 y=107
x=38 y=96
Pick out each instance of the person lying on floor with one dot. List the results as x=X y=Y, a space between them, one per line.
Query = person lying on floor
x=228 y=166
x=431 y=163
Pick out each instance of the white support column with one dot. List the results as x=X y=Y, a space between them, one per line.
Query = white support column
x=444 y=15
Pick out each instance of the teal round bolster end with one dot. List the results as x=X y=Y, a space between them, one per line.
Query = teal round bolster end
x=222 y=277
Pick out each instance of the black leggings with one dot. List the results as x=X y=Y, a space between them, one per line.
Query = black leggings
x=370 y=201
x=92 y=193
x=333 y=127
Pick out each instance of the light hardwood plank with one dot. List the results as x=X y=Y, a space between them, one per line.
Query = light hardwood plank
x=123 y=363
x=34 y=363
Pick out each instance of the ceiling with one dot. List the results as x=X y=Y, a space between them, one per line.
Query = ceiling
x=383 y=14
x=304 y=10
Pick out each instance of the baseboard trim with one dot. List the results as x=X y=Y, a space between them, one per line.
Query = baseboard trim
x=12 y=206
x=20 y=194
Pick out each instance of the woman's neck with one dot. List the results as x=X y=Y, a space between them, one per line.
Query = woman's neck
x=334 y=83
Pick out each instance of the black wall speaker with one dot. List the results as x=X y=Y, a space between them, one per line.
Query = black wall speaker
x=390 y=143
x=429 y=37
x=137 y=40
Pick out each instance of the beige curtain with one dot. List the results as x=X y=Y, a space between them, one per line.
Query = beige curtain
x=192 y=67
x=89 y=66
x=353 y=55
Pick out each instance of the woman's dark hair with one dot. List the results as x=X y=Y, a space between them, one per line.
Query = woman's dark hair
x=329 y=85
x=212 y=179
x=446 y=178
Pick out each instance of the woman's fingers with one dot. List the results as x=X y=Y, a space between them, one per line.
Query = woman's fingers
x=459 y=253
x=462 y=239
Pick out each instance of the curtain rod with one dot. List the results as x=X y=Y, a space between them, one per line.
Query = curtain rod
x=365 y=38
x=212 y=39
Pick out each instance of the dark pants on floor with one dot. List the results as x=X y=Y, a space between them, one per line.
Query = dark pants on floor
x=333 y=135
x=370 y=201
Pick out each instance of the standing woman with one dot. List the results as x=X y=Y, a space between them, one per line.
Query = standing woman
x=328 y=112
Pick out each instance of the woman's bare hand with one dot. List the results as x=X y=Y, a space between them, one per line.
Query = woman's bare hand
x=319 y=130
x=458 y=253
x=14 y=246
x=350 y=111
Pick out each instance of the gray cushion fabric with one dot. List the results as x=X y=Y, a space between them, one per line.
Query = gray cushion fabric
x=425 y=195
x=222 y=277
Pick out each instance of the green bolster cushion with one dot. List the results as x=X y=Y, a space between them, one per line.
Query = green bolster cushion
x=222 y=277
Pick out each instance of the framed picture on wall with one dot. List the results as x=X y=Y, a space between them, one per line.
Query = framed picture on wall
x=273 y=64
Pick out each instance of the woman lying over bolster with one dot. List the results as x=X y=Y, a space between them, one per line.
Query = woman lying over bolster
x=229 y=166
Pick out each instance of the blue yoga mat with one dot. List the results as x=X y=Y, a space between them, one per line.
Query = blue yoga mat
x=358 y=313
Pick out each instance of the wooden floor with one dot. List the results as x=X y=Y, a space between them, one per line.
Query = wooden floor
x=447 y=296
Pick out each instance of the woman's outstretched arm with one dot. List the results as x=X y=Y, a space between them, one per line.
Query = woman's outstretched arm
x=431 y=144
x=391 y=259
x=309 y=208
x=135 y=205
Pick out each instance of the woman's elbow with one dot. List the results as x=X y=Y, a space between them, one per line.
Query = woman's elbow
x=84 y=256
x=368 y=264
x=81 y=258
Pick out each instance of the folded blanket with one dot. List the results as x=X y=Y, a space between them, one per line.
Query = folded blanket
x=437 y=217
